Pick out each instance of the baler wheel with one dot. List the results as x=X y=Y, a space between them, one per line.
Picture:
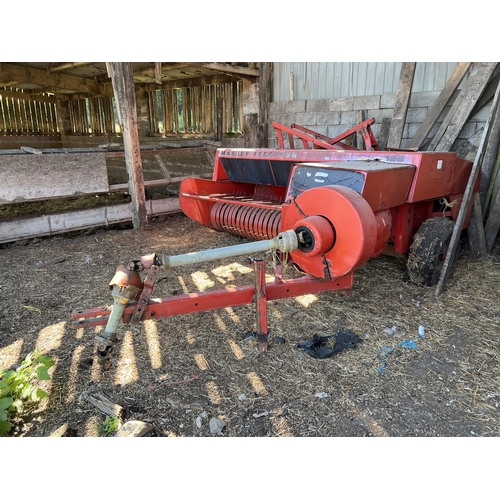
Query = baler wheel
x=428 y=251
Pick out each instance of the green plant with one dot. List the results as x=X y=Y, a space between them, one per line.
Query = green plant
x=17 y=390
x=108 y=426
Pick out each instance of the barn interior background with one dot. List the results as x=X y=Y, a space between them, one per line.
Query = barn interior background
x=72 y=132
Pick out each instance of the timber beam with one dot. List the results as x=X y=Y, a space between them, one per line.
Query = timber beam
x=228 y=69
x=65 y=65
x=150 y=71
x=123 y=86
x=187 y=82
x=11 y=72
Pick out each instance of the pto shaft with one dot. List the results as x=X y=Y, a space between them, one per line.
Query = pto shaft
x=284 y=242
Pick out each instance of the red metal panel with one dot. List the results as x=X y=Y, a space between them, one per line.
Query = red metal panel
x=403 y=221
x=439 y=174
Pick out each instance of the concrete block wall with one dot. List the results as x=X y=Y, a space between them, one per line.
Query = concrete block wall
x=332 y=117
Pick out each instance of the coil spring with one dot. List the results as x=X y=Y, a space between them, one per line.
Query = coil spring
x=243 y=220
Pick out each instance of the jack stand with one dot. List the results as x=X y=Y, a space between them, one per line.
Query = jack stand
x=125 y=286
x=261 y=303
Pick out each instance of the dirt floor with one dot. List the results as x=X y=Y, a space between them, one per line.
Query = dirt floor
x=178 y=373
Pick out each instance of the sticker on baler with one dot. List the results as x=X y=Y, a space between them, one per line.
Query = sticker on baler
x=320 y=177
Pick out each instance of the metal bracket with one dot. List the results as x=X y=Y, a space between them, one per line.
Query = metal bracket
x=147 y=290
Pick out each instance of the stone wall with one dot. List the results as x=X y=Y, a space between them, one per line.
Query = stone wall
x=332 y=117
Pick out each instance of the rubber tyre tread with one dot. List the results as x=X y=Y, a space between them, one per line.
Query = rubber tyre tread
x=429 y=243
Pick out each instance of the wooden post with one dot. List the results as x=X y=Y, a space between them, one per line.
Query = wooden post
x=63 y=120
x=265 y=81
x=158 y=73
x=433 y=114
x=401 y=107
x=142 y=105
x=219 y=106
x=123 y=87
x=383 y=135
x=250 y=130
x=359 y=140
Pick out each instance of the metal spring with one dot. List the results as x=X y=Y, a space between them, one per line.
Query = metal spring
x=247 y=221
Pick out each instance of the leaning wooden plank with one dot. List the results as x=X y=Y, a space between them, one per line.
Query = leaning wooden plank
x=492 y=224
x=20 y=228
x=383 y=136
x=494 y=186
x=462 y=108
x=488 y=93
x=441 y=102
x=401 y=107
x=475 y=230
x=38 y=177
x=468 y=194
x=489 y=160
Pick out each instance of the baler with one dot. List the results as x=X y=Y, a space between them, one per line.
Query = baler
x=326 y=208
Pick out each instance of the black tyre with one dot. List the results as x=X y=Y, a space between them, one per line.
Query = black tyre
x=428 y=251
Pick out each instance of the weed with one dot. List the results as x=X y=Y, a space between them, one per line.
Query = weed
x=18 y=393
x=108 y=426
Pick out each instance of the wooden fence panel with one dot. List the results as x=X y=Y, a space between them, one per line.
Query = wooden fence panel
x=21 y=113
x=198 y=109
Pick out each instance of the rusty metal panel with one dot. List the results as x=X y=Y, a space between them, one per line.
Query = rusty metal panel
x=27 y=177
x=330 y=80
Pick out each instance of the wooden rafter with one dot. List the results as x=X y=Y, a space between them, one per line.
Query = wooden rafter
x=66 y=65
x=187 y=82
x=150 y=70
x=229 y=69
x=11 y=72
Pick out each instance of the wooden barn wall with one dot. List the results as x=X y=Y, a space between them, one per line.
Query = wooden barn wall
x=210 y=111
x=201 y=110
x=25 y=118
x=95 y=116
x=331 y=80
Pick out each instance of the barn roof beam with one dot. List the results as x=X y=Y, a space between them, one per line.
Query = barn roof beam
x=164 y=67
x=11 y=72
x=229 y=69
x=65 y=65
x=186 y=82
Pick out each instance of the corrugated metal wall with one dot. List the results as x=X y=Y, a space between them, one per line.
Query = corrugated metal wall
x=329 y=80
